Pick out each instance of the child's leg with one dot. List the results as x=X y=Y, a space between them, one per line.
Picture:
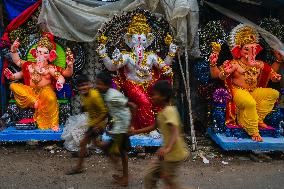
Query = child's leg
x=124 y=159
x=169 y=174
x=83 y=148
x=123 y=181
x=152 y=175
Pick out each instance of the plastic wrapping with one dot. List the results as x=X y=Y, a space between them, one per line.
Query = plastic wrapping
x=74 y=130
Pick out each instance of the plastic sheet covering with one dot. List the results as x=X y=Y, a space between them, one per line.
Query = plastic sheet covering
x=272 y=40
x=16 y=7
x=80 y=22
x=74 y=130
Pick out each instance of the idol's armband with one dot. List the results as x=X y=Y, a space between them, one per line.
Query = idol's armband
x=222 y=74
x=57 y=74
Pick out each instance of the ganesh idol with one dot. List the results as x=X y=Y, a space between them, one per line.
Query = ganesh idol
x=137 y=68
x=246 y=78
x=40 y=77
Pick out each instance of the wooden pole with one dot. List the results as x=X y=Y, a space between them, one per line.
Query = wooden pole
x=187 y=92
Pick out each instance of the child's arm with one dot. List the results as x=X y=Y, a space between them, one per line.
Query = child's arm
x=132 y=105
x=144 y=130
x=166 y=149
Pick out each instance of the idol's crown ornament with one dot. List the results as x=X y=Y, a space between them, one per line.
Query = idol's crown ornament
x=243 y=34
x=138 y=25
x=47 y=40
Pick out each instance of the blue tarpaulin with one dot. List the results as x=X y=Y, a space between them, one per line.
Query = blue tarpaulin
x=16 y=7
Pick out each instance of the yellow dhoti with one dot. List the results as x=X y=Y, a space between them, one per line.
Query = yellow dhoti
x=252 y=107
x=47 y=113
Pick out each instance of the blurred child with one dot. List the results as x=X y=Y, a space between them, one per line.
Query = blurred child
x=118 y=107
x=94 y=105
x=174 y=150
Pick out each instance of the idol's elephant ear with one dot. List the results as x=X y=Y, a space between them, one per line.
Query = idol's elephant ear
x=128 y=40
x=150 y=39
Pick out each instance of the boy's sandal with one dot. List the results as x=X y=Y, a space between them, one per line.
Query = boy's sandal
x=74 y=171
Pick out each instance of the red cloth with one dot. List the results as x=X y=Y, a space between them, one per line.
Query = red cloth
x=27 y=121
x=14 y=24
x=144 y=116
x=26 y=74
x=231 y=109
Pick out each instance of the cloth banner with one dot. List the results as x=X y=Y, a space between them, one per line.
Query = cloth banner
x=80 y=20
x=15 y=7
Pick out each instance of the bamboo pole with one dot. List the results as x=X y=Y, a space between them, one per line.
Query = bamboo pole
x=188 y=96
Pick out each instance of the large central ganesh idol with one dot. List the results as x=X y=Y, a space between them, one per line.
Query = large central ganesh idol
x=139 y=68
x=246 y=78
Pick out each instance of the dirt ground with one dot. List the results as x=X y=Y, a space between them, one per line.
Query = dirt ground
x=42 y=167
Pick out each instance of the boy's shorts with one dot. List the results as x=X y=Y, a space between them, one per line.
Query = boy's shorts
x=94 y=132
x=118 y=145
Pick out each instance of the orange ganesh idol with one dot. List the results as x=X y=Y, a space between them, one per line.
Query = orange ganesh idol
x=38 y=91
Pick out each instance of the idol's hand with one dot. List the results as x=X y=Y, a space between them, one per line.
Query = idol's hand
x=213 y=58
x=173 y=48
x=278 y=56
x=168 y=72
x=59 y=83
x=69 y=58
x=116 y=55
x=101 y=49
x=229 y=68
x=8 y=74
x=275 y=77
x=15 y=46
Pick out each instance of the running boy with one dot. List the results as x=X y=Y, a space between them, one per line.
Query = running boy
x=118 y=107
x=93 y=104
x=174 y=150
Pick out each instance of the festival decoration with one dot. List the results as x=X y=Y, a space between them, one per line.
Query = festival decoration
x=275 y=27
x=205 y=91
x=212 y=32
x=221 y=96
x=202 y=72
